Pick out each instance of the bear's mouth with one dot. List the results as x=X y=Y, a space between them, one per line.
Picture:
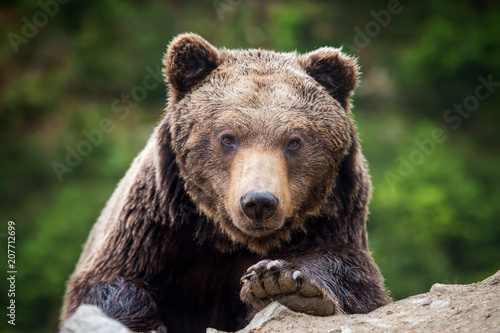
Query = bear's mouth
x=258 y=228
x=258 y=231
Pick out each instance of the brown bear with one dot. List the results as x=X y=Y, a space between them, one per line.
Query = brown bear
x=251 y=189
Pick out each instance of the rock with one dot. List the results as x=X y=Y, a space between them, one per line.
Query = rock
x=90 y=319
x=445 y=308
x=211 y=330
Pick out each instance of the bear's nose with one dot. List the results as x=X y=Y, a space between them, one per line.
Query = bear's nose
x=259 y=205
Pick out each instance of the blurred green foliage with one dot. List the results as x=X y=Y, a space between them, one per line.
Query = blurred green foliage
x=434 y=224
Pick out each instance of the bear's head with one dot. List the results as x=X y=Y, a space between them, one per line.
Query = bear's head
x=258 y=137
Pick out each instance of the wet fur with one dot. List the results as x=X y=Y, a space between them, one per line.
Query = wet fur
x=164 y=254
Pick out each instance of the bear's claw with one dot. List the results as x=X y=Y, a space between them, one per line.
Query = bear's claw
x=274 y=280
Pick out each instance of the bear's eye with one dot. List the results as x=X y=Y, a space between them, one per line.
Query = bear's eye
x=228 y=140
x=293 y=145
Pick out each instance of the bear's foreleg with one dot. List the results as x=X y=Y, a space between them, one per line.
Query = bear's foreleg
x=129 y=302
x=319 y=284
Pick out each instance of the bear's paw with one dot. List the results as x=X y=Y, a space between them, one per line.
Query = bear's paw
x=275 y=280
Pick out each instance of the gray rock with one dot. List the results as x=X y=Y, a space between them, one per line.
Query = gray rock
x=343 y=329
x=212 y=330
x=441 y=288
x=440 y=303
x=90 y=319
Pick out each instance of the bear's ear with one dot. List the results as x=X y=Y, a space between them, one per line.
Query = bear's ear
x=189 y=59
x=335 y=71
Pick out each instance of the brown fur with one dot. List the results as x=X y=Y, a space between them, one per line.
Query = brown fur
x=172 y=242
